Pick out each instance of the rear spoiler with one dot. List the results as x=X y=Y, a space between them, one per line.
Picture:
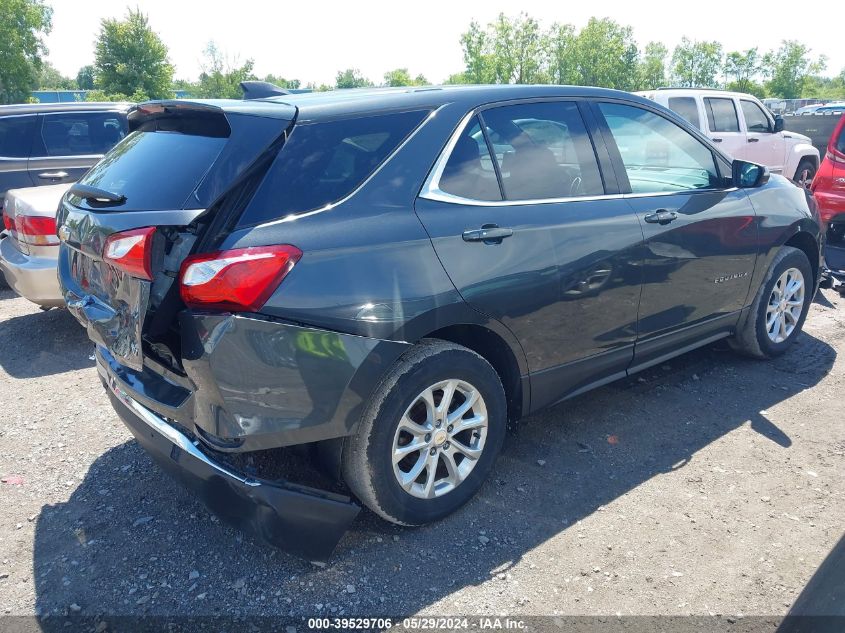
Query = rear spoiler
x=206 y=109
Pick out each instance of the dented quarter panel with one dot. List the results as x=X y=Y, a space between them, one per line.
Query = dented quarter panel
x=262 y=384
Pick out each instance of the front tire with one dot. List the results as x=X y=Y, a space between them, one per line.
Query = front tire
x=805 y=173
x=429 y=435
x=780 y=307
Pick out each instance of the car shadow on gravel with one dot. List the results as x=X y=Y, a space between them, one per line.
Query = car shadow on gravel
x=43 y=343
x=131 y=541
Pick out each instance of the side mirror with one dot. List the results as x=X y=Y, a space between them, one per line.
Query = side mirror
x=778 y=123
x=749 y=175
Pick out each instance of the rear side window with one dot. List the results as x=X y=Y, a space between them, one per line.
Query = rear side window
x=469 y=172
x=80 y=134
x=543 y=151
x=721 y=115
x=16 y=134
x=323 y=162
x=155 y=170
x=687 y=108
x=755 y=118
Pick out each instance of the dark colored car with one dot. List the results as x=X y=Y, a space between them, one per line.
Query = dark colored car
x=47 y=144
x=389 y=276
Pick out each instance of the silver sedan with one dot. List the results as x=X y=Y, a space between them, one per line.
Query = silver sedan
x=29 y=249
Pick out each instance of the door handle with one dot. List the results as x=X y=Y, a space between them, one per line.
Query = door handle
x=753 y=140
x=661 y=216
x=52 y=175
x=489 y=234
x=716 y=140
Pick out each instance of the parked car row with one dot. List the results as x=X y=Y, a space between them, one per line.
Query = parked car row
x=388 y=277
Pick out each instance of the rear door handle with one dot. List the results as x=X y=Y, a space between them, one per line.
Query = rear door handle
x=753 y=140
x=716 y=140
x=52 y=175
x=661 y=216
x=489 y=234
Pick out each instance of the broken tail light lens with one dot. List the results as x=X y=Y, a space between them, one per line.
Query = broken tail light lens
x=131 y=251
x=239 y=280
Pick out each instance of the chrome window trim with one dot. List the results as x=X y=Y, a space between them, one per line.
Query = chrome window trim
x=431 y=189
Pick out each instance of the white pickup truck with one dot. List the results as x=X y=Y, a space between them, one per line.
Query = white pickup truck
x=744 y=128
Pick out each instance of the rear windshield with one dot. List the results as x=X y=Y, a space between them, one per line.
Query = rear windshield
x=155 y=170
x=322 y=163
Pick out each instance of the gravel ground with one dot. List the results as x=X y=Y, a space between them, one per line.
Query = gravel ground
x=710 y=485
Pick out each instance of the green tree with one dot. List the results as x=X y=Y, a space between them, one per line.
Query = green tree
x=652 y=67
x=23 y=25
x=85 y=78
x=560 y=52
x=351 y=78
x=790 y=66
x=401 y=77
x=518 y=50
x=51 y=79
x=606 y=55
x=101 y=95
x=221 y=77
x=741 y=68
x=457 y=79
x=696 y=64
x=131 y=58
x=827 y=88
x=281 y=82
x=480 y=66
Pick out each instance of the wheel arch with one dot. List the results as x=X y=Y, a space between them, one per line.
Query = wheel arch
x=806 y=243
x=498 y=352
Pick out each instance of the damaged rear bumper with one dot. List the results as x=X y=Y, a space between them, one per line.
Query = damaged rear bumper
x=301 y=520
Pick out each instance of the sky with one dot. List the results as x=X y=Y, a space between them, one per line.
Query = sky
x=311 y=41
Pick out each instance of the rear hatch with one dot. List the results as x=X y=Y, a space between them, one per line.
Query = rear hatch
x=128 y=224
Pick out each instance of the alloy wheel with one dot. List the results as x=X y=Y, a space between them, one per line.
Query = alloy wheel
x=786 y=302
x=440 y=439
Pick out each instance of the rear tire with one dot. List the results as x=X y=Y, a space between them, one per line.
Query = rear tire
x=805 y=173
x=404 y=462
x=780 y=307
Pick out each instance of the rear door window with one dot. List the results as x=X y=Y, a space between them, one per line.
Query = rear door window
x=80 y=133
x=155 y=170
x=755 y=119
x=687 y=108
x=543 y=151
x=323 y=162
x=16 y=134
x=469 y=172
x=721 y=114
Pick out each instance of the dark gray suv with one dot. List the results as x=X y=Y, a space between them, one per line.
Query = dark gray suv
x=47 y=144
x=387 y=277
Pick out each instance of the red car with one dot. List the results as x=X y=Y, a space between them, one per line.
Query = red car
x=829 y=185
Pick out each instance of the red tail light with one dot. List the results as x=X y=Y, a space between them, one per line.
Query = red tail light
x=240 y=280
x=131 y=251
x=34 y=230
x=8 y=224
